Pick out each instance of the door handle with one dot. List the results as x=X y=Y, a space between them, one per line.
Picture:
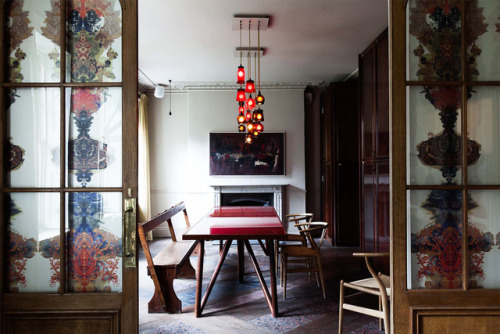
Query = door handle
x=129 y=231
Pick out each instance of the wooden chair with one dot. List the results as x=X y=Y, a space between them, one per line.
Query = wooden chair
x=292 y=218
x=308 y=254
x=378 y=285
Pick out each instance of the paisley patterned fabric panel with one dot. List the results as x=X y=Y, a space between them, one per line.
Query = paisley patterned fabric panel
x=484 y=240
x=434 y=142
x=94 y=242
x=488 y=41
x=94 y=41
x=483 y=119
x=33 y=119
x=435 y=242
x=95 y=137
x=434 y=40
x=33 y=235
x=34 y=39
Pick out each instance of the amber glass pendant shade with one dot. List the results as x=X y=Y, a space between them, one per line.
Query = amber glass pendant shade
x=241 y=118
x=260 y=99
x=241 y=128
x=258 y=115
x=248 y=139
x=250 y=127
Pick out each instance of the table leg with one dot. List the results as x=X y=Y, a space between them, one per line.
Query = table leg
x=272 y=272
x=259 y=275
x=199 y=279
x=241 y=260
x=227 y=245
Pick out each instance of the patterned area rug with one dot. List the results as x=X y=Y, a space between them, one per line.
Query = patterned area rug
x=293 y=316
x=371 y=328
x=176 y=327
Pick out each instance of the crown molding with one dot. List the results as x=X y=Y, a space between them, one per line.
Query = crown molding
x=227 y=85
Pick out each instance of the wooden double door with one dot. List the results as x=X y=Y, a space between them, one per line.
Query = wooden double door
x=374 y=148
x=69 y=166
x=445 y=97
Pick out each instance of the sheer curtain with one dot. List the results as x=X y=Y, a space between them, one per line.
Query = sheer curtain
x=144 y=186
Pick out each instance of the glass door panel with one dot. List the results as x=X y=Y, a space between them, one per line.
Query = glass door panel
x=434 y=40
x=95 y=137
x=483 y=39
x=484 y=239
x=94 y=41
x=434 y=128
x=33 y=30
x=94 y=242
x=483 y=121
x=33 y=253
x=33 y=120
x=435 y=242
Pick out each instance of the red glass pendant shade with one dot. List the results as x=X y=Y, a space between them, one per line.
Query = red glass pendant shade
x=248 y=115
x=259 y=127
x=241 y=108
x=240 y=75
x=250 y=104
x=240 y=95
x=250 y=86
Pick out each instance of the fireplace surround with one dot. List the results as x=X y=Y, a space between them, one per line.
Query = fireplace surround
x=245 y=195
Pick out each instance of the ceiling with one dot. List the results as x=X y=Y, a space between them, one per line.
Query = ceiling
x=192 y=41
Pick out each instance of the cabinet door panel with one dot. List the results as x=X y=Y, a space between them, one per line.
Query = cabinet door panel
x=368 y=201
x=367 y=80
x=382 y=114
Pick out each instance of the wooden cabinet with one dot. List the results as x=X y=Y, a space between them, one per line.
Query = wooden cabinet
x=340 y=125
x=374 y=155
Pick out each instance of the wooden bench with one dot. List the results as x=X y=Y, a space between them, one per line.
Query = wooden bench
x=172 y=262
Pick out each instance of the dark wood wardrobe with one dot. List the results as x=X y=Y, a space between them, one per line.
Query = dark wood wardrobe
x=340 y=133
x=374 y=148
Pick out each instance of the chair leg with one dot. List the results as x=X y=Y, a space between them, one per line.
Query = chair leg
x=385 y=309
x=284 y=268
x=341 y=306
x=380 y=309
x=320 y=266
x=315 y=265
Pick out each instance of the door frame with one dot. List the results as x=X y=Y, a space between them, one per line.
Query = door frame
x=41 y=304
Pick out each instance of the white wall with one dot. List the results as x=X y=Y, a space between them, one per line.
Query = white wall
x=179 y=147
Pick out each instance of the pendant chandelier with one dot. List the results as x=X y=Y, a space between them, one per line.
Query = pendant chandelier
x=250 y=114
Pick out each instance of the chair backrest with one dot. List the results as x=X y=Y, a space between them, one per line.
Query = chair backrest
x=296 y=218
x=306 y=228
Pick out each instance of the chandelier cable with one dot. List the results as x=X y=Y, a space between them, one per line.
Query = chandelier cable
x=258 y=49
x=241 y=51
x=249 y=56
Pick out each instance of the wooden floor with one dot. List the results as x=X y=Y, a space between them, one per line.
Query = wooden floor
x=241 y=307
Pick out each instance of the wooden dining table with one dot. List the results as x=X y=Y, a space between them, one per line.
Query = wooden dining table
x=240 y=223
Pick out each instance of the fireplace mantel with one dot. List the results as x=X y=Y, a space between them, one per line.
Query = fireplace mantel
x=277 y=190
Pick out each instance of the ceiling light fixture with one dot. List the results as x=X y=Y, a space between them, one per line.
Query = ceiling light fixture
x=248 y=121
x=159 y=89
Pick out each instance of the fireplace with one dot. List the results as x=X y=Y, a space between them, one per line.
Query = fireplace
x=261 y=195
